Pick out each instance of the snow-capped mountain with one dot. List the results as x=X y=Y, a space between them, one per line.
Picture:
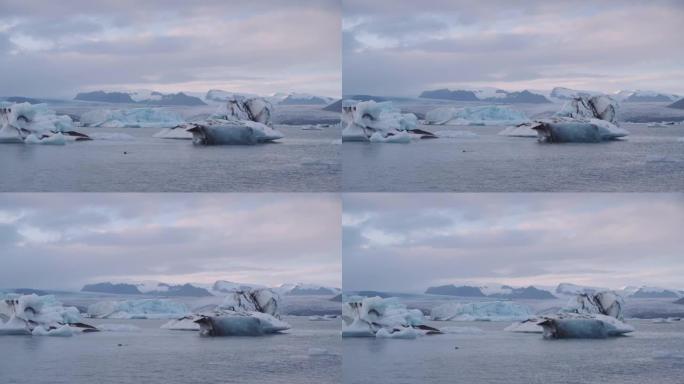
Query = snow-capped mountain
x=491 y=291
x=306 y=289
x=655 y=293
x=679 y=104
x=293 y=98
x=140 y=96
x=492 y=95
x=222 y=96
x=305 y=99
x=223 y=286
x=644 y=96
x=147 y=288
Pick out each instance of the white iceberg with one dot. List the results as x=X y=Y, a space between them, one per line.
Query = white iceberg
x=131 y=118
x=581 y=120
x=480 y=311
x=588 y=315
x=379 y=122
x=241 y=121
x=253 y=312
x=35 y=124
x=380 y=317
x=39 y=316
x=484 y=115
x=137 y=309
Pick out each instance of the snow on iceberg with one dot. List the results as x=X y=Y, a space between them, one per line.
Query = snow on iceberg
x=131 y=118
x=484 y=115
x=35 y=124
x=241 y=121
x=252 y=312
x=581 y=120
x=588 y=315
x=39 y=316
x=379 y=317
x=137 y=309
x=480 y=311
x=378 y=122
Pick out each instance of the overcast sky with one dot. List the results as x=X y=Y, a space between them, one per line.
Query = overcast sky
x=57 y=48
x=403 y=48
x=408 y=242
x=62 y=241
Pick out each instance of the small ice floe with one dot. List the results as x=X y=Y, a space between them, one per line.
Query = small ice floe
x=242 y=121
x=322 y=318
x=484 y=115
x=667 y=320
x=313 y=352
x=39 y=316
x=137 y=309
x=131 y=118
x=583 y=119
x=111 y=136
x=480 y=311
x=384 y=318
x=519 y=131
x=36 y=124
x=457 y=134
x=381 y=122
x=462 y=330
x=586 y=316
x=252 y=312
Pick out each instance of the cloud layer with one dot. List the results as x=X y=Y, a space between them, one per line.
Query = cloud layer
x=58 y=48
x=408 y=242
x=66 y=240
x=392 y=48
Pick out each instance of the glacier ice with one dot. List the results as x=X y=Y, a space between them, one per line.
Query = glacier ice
x=587 y=315
x=39 y=316
x=251 y=312
x=483 y=115
x=379 y=122
x=137 y=309
x=382 y=317
x=131 y=118
x=480 y=311
x=581 y=120
x=35 y=124
x=241 y=121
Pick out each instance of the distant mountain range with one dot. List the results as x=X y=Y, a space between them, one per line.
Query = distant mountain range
x=494 y=95
x=498 y=292
x=219 y=288
x=140 y=97
x=561 y=291
x=489 y=95
x=679 y=104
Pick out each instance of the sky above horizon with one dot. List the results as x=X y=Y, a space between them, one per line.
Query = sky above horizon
x=408 y=242
x=63 y=241
x=401 y=49
x=56 y=49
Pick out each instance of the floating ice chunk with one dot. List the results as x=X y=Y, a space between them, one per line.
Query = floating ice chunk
x=137 y=309
x=481 y=311
x=401 y=333
x=179 y=133
x=24 y=314
x=322 y=318
x=62 y=331
x=226 y=132
x=364 y=317
x=111 y=136
x=581 y=120
x=131 y=118
x=588 y=315
x=37 y=123
x=261 y=300
x=399 y=138
x=318 y=352
x=576 y=326
x=484 y=115
x=240 y=324
x=55 y=139
x=242 y=121
x=366 y=118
